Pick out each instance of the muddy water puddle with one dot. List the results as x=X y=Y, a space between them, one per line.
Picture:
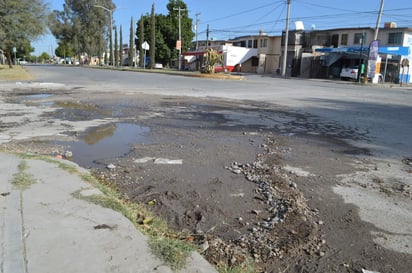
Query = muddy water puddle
x=36 y=96
x=108 y=141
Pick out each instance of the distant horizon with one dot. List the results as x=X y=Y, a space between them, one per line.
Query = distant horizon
x=230 y=19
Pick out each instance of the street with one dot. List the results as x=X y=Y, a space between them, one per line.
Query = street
x=344 y=150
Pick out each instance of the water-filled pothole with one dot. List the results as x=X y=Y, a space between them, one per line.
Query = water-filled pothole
x=37 y=96
x=103 y=142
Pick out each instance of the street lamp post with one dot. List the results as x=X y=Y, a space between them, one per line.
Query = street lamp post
x=110 y=31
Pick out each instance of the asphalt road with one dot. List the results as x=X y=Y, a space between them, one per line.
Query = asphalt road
x=382 y=115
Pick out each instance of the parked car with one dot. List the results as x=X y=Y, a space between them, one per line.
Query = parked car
x=349 y=73
x=218 y=68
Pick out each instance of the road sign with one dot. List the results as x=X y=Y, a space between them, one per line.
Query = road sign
x=146 y=45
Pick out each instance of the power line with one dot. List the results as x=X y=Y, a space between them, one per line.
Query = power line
x=319 y=18
x=242 y=12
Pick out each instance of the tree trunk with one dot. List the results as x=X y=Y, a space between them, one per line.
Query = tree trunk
x=9 y=61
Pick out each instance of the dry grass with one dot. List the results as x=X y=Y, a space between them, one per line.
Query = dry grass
x=17 y=73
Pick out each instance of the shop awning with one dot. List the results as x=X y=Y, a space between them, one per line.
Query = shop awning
x=394 y=50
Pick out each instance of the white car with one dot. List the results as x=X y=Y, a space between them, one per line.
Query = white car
x=349 y=73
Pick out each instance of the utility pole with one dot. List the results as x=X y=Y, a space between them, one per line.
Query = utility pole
x=180 y=38
x=207 y=37
x=378 y=21
x=110 y=31
x=197 y=26
x=207 y=45
x=197 y=41
x=286 y=42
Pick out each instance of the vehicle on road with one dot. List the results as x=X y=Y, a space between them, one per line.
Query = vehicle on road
x=349 y=73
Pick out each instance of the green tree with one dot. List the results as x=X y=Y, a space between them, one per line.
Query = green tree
x=21 y=21
x=83 y=24
x=152 y=38
x=186 y=23
x=24 y=50
x=140 y=40
x=130 y=56
x=121 y=47
x=64 y=50
x=116 y=49
x=44 y=57
x=166 y=32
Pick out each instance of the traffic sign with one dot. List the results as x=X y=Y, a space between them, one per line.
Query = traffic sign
x=146 y=45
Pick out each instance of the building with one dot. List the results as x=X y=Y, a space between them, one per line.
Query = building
x=267 y=59
x=323 y=53
x=251 y=54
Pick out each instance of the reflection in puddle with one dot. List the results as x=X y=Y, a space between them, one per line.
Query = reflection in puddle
x=37 y=96
x=108 y=141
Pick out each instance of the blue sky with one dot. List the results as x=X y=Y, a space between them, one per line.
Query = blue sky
x=233 y=18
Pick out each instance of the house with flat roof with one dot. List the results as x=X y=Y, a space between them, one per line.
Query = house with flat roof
x=323 y=53
x=267 y=59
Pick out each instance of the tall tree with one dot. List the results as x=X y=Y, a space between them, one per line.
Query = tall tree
x=83 y=24
x=64 y=50
x=121 y=46
x=116 y=48
x=131 y=51
x=140 y=40
x=152 y=38
x=21 y=21
x=166 y=32
x=176 y=7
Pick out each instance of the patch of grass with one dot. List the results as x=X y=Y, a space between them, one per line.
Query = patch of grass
x=169 y=246
x=12 y=74
x=102 y=200
x=173 y=252
x=67 y=167
x=245 y=267
x=23 y=180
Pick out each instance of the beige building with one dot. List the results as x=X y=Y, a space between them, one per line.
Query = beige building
x=268 y=48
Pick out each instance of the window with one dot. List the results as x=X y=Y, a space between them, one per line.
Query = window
x=358 y=38
x=395 y=38
x=255 y=61
x=241 y=44
x=249 y=43
x=263 y=42
x=255 y=43
x=335 y=40
x=344 y=39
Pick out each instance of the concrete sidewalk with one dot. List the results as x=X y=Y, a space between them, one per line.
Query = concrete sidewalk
x=43 y=228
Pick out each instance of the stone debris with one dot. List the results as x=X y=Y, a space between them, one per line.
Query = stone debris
x=368 y=271
x=168 y=161
x=111 y=166
x=277 y=190
x=159 y=161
